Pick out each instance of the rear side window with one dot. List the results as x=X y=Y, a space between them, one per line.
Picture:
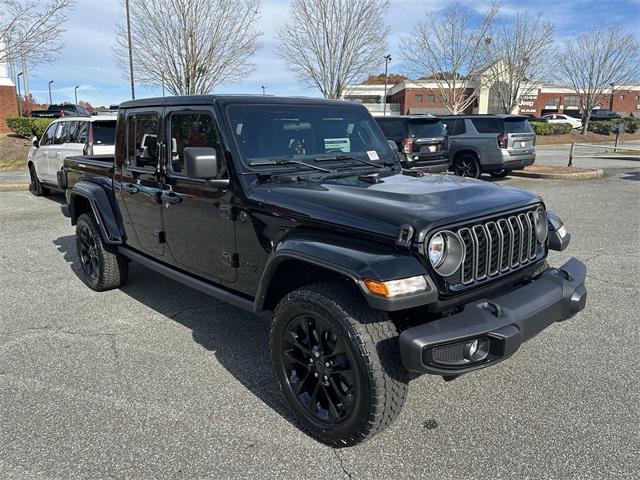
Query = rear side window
x=393 y=128
x=104 y=133
x=72 y=135
x=455 y=126
x=426 y=128
x=520 y=125
x=142 y=141
x=488 y=125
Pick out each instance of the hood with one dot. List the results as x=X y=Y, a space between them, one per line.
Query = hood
x=381 y=208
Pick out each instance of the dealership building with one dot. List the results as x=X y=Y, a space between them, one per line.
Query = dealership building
x=424 y=97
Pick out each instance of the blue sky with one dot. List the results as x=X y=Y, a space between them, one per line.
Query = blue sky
x=86 y=58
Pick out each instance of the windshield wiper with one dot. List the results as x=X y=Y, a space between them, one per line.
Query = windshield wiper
x=348 y=157
x=287 y=162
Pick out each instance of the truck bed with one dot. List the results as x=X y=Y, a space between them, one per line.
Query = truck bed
x=97 y=167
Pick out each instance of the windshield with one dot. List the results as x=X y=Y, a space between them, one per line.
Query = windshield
x=306 y=132
x=104 y=133
x=426 y=128
x=517 y=125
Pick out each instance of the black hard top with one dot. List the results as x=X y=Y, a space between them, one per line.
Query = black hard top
x=486 y=115
x=232 y=99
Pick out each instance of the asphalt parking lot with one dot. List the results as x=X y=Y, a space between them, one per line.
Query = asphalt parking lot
x=156 y=380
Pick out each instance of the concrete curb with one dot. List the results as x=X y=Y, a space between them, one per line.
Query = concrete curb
x=586 y=174
x=13 y=187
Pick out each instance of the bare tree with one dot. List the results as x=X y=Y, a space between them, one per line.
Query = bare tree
x=30 y=29
x=519 y=53
x=190 y=46
x=448 y=49
x=329 y=44
x=595 y=60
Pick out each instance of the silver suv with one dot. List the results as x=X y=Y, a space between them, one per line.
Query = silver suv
x=495 y=144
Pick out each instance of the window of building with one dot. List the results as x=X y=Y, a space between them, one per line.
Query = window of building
x=142 y=141
x=418 y=98
x=191 y=130
x=431 y=98
x=571 y=101
x=552 y=103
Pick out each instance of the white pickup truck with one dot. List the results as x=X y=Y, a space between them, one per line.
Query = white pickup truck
x=63 y=138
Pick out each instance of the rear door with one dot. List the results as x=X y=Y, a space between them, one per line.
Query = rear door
x=519 y=134
x=40 y=155
x=55 y=151
x=138 y=183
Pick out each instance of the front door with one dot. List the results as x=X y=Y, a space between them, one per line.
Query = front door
x=139 y=182
x=198 y=223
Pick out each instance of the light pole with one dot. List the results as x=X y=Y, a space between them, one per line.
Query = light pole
x=50 y=82
x=387 y=59
x=264 y=89
x=133 y=91
x=613 y=85
x=19 y=94
x=75 y=92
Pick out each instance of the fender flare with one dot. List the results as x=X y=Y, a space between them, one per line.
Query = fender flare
x=101 y=207
x=356 y=260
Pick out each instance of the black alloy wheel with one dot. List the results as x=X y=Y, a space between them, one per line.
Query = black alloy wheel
x=88 y=252
x=467 y=166
x=318 y=370
x=35 y=187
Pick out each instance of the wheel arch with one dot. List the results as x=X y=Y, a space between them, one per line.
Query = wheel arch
x=88 y=197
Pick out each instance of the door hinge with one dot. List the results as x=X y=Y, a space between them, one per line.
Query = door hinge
x=160 y=236
x=230 y=259
x=228 y=212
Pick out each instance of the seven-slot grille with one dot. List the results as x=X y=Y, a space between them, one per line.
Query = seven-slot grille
x=497 y=246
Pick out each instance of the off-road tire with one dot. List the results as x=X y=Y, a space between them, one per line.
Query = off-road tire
x=467 y=165
x=111 y=268
x=35 y=187
x=372 y=339
x=500 y=173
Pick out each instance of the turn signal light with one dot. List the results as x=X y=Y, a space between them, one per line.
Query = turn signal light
x=393 y=288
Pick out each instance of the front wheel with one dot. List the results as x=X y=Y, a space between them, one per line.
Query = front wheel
x=338 y=364
x=35 y=187
x=102 y=268
x=466 y=166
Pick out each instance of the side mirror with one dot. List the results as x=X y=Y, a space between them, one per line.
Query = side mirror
x=201 y=162
x=35 y=142
x=393 y=145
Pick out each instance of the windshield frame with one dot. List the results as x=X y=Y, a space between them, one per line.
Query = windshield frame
x=385 y=158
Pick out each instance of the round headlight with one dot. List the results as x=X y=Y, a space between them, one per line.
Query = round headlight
x=445 y=252
x=542 y=225
x=437 y=250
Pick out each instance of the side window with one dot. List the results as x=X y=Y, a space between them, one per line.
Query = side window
x=393 y=128
x=142 y=141
x=191 y=130
x=61 y=133
x=455 y=126
x=82 y=132
x=72 y=132
x=488 y=125
x=47 y=138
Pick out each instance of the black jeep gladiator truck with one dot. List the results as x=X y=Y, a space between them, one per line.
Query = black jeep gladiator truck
x=299 y=210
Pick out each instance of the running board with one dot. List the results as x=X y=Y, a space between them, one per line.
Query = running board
x=188 y=280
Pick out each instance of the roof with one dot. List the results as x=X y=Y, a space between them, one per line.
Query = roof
x=231 y=99
x=485 y=115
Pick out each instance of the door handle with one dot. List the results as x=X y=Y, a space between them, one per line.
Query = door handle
x=130 y=188
x=170 y=198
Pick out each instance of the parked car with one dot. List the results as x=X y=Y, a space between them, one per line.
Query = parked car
x=603 y=114
x=67 y=136
x=496 y=144
x=420 y=139
x=298 y=210
x=57 y=111
x=562 y=118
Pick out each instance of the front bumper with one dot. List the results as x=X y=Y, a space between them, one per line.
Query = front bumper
x=503 y=322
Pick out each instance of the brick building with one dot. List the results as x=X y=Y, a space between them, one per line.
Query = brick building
x=419 y=97
x=8 y=99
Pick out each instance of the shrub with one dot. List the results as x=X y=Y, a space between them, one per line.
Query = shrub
x=561 y=128
x=631 y=125
x=28 y=127
x=603 y=127
x=542 y=128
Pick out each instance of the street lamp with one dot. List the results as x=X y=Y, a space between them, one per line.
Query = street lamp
x=50 y=82
x=75 y=92
x=264 y=90
x=611 y=96
x=19 y=94
x=133 y=91
x=387 y=59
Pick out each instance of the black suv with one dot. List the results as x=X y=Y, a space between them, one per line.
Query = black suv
x=297 y=210
x=421 y=140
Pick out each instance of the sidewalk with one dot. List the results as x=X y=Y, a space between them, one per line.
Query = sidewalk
x=14 y=180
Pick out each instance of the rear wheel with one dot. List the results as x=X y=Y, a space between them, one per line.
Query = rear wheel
x=500 y=173
x=337 y=362
x=102 y=267
x=466 y=166
x=35 y=186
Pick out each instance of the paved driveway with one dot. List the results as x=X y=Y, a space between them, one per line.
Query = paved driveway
x=156 y=380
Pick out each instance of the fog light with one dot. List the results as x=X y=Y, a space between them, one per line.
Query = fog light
x=476 y=349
